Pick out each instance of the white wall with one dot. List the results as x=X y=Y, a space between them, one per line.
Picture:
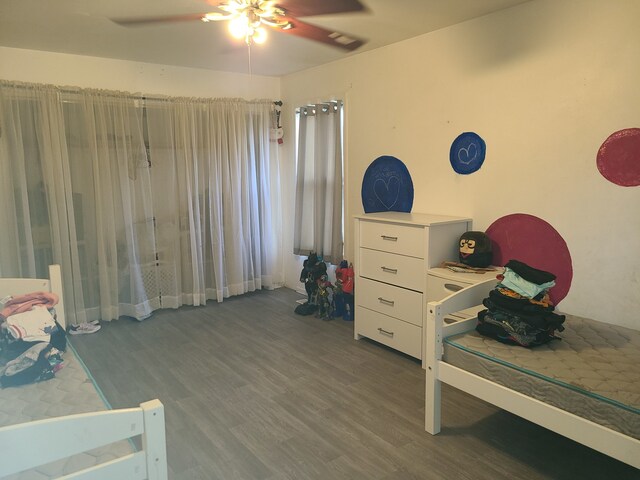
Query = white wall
x=93 y=72
x=544 y=83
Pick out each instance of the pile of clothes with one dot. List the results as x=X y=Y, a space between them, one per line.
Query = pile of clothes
x=519 y=310
x=31 y=341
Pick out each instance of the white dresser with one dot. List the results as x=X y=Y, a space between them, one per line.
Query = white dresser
x=393 y=253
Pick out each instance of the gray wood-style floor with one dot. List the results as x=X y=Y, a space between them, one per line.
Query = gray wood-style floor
x=253 y=391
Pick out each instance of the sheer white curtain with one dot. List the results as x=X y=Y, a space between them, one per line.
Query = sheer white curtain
x=76 y=192
x=213 y=170
x=37 y=200
x=318 y=214
x=112 y=187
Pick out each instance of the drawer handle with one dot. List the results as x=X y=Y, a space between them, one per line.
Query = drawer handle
x=452 y=287
x=385 y=332
x=385 y=301
x=389 y=238
x=389 y=270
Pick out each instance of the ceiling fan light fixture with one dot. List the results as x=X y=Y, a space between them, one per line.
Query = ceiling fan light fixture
x=246 y=17
x=259 y=35
x=239 y=27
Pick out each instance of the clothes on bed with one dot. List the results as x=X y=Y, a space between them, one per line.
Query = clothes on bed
x=31 y=341
x=38 y=363
x=24 y=303
x=530 y=274
x=35 y=325
x=524 y=287
x=506 y=298
x=519 y=310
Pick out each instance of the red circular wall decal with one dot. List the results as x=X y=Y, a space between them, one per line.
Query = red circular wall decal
x=533 y=241
x=618 y=158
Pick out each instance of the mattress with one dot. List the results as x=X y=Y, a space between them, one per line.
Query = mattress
x=71 y=391
x=593 y=371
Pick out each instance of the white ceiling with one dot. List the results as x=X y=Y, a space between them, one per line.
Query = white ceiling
x=83 y=27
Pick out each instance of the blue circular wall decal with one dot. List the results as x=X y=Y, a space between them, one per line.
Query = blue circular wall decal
x=467 y=153
x=387 y=186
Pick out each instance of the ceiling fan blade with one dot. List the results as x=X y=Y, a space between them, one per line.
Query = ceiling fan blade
x=138 y=21
x=323 y=35
x=308 y=8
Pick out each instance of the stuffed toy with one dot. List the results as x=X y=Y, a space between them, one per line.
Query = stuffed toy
x=343 y=295
x=324 y=298
x=475 y=249
x=313 y=268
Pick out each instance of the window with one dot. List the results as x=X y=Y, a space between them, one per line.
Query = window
x=319 y=199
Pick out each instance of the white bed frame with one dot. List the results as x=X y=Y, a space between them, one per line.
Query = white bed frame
x=32 y=444
x=602 y=439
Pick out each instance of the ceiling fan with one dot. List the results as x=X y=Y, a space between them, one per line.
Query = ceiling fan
x=248 y=19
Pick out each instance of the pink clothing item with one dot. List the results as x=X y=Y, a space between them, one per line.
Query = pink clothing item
x=24 y=303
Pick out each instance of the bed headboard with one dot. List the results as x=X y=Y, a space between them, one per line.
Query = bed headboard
x=20 y=286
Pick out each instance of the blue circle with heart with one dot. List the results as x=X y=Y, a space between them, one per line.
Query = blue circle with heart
x=467 y=153
x=387 y=186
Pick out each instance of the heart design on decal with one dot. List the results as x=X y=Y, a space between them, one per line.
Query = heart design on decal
x=387 y=191
x=468 y=155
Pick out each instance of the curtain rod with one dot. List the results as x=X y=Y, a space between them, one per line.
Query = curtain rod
x=116 y=93
x=310 y=109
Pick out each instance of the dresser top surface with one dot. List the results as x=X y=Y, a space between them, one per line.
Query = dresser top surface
x=424 y=219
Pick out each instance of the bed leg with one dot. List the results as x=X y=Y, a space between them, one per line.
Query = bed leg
x=154 y=440
x=432 y=403
x=433 y=347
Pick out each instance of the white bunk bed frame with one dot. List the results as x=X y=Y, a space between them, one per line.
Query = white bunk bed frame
x=32 y=444
x=602 y=439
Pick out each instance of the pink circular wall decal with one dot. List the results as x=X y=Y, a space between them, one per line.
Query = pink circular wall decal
x=618 y=158
x=533 y=241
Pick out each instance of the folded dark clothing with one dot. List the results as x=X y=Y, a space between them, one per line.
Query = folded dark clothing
x=513 y=330
x=530 y=274
x=521 y=304
x=543 y=320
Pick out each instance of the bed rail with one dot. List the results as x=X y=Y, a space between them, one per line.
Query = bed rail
x=470 y=296
x=32 y=444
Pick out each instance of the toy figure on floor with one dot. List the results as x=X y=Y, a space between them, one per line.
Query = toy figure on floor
x=324 y=295
x=343 y=294
x=312 y=270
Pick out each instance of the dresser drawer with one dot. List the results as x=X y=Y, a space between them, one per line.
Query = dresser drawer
x=394 y=238
x=390 y=331
x=398 y=270
x=393 y=301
